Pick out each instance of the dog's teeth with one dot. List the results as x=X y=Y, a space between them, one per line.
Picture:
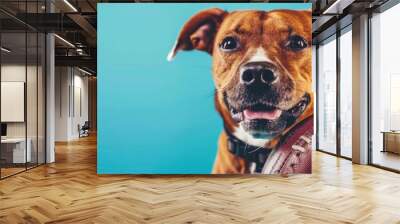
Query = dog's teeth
x=303 y=106
x=238 y=117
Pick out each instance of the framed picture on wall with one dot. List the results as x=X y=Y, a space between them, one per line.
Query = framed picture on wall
x=204 y=88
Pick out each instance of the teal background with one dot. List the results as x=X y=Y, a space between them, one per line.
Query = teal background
x=155 y=116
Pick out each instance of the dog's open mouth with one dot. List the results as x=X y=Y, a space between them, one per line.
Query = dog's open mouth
x=259 y=111
x=265 y=120
x=269 y=112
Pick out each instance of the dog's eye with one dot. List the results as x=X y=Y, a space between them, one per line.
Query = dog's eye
x=296 y=43
x=229 y=44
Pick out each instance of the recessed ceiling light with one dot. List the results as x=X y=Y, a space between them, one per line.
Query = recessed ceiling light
x=5 y=50
x=84 y=71
x=337 y=7
x=70 y=5
x=65 y=41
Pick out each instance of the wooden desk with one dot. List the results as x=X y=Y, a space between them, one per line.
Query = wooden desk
x=391 y=141
x=13 y=150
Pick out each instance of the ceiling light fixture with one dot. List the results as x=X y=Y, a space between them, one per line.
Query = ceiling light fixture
x=70 y=5
x=64 y=40
x=84 y=71
x=5 y=50
x=337 y=7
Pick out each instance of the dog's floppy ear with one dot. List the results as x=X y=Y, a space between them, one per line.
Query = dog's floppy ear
x=199 y=32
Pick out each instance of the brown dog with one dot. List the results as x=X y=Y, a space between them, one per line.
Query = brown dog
x=262 y=74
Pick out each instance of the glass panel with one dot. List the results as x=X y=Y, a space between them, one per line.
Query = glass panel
x=31 y=88
x=22 y=89
x=346 y=94
x=314 y=86
x=41 y=99
x=385 y=89
x=13 y=88
x=327 y=96
x=31 y=100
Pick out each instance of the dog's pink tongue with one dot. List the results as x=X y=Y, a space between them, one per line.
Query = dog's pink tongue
x=268 y=115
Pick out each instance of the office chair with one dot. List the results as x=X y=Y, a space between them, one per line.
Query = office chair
x=84 y=130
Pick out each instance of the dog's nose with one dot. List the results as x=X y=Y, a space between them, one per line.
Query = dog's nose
x=257 y=73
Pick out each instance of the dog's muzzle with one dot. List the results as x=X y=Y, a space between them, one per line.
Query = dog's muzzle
x=267 y=121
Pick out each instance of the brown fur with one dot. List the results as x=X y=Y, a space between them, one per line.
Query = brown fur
x=269 y=30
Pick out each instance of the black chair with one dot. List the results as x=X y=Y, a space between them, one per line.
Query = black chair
x=84 y=130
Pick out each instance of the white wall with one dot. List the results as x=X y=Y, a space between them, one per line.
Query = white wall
x=80 y=111
x=62 y=82
x=16 y=72
x=71 y=102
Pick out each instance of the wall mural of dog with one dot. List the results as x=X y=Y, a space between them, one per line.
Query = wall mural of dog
x=262 y=73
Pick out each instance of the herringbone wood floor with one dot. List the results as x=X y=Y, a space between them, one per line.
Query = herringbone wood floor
x=70 y=191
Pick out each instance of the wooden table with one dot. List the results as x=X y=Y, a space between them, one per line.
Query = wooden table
x=391 y=141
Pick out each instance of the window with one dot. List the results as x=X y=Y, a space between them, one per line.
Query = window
x=327 y=96
x=346 y=93
x=22 y=77
x=385 y=89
